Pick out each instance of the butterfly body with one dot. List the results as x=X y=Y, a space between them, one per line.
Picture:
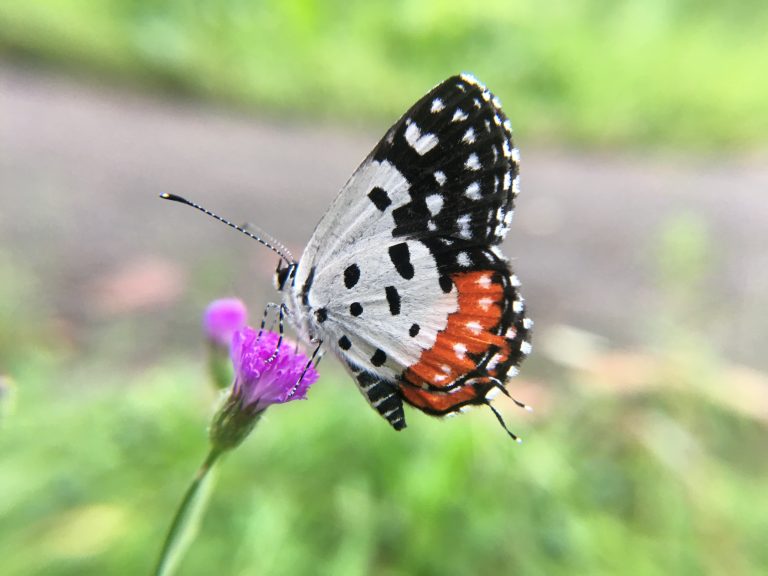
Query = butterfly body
x=402 y=278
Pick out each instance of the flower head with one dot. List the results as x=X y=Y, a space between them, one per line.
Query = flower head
x=265 y=374
x=222 y=318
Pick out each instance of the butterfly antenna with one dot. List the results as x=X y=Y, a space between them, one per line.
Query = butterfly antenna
x=263 y=234
x=276 y=248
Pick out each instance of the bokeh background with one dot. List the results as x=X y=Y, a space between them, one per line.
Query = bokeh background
x=640 y=237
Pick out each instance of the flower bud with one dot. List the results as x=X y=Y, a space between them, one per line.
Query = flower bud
x=222 y=318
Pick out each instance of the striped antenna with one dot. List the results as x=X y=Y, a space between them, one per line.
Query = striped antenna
x=271 y=243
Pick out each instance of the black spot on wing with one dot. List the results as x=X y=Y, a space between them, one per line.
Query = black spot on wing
x=351 y=275
x=355 y=308
x=380 y=198
x=414 y=330
x=344 y=343
x=379 y=357
x=393 y=299
x=401 y=258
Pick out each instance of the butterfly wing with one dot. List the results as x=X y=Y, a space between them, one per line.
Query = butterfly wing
x=402 y=277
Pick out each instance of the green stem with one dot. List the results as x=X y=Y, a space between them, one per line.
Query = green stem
x=186 y=522
x=219 y=367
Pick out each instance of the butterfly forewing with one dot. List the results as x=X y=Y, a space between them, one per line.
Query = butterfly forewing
x=454 y=147
x=402 y=277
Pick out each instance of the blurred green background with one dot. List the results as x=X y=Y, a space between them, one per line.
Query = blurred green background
x=675 y=73
x=646 y=453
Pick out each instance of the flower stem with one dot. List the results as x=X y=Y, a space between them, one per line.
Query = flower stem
x=186 y=521
x=219 y=367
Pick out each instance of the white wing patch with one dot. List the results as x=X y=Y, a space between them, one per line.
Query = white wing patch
x=473 y=163
x=384 y=312
x=422 y=143
x=434 y=203
x=353 y=217
x=473 y=191
x=459 y=115
x=351 y=220
x=357 y=230
x=464 y=230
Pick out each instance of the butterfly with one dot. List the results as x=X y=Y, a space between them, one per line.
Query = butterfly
x=402 y=278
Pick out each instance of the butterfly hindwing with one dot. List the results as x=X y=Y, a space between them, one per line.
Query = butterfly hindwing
x=482 y=345
x=402 y=278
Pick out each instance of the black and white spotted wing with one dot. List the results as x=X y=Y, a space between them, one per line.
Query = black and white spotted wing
x=454 y=147
x=377 y=282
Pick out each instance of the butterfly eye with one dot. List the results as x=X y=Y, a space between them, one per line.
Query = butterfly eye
x=283 y=274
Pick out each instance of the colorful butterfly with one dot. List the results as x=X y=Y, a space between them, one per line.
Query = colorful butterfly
x=402 y=278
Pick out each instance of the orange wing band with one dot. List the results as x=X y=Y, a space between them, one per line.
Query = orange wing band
x=470 y=330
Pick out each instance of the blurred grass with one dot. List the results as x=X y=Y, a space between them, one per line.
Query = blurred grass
x=680 y=73
x=655 y=468
x=659 y=481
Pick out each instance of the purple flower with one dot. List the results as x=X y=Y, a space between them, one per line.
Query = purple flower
x=260 y=382
x=222 y=319
x=264 y=375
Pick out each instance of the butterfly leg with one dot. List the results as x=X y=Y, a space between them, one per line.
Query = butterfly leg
x=280 y=325
x=267 y=308
x=280 y=318
x=317 y=354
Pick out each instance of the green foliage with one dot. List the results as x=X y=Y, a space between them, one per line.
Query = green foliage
x=650 y=483
x=665 y=478
x=661 y=73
